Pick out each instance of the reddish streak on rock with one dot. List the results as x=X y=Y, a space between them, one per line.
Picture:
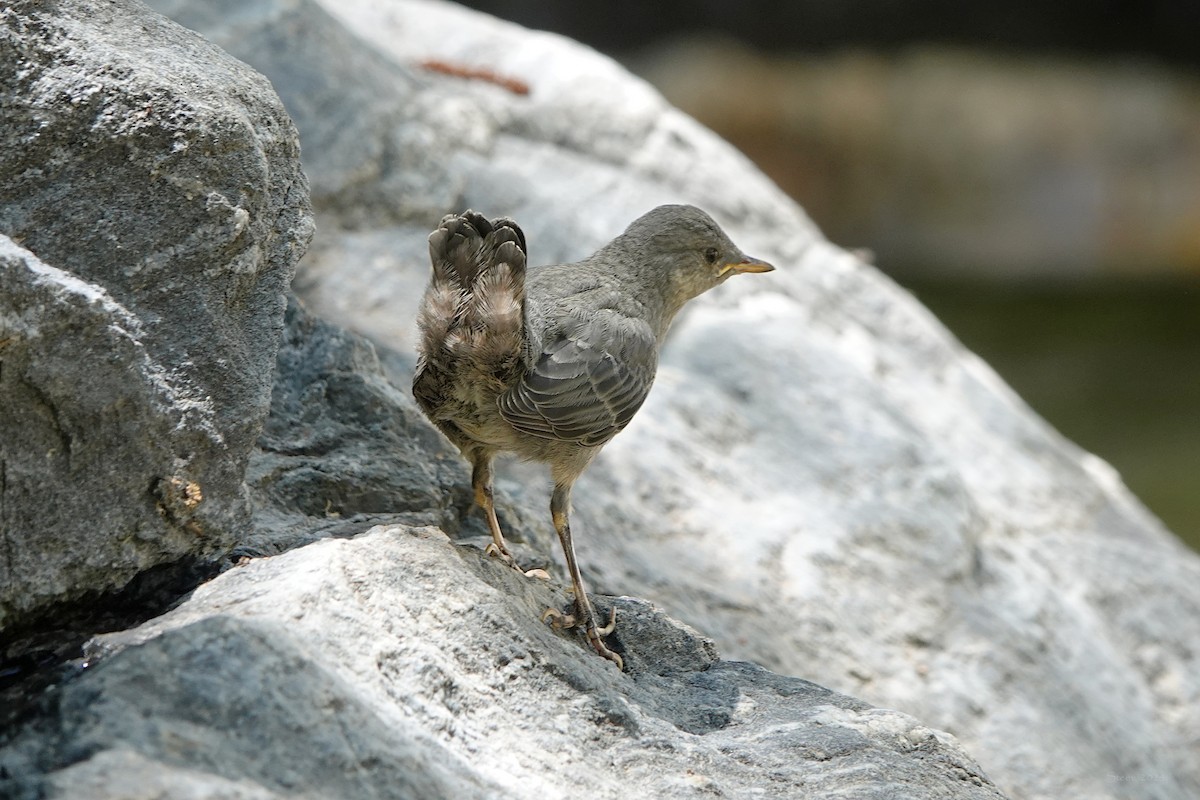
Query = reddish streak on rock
x=475 y=73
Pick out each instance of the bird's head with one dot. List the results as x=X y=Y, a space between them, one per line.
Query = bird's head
x=684 y=252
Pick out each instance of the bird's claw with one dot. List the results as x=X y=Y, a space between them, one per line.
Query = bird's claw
x=595 y=634
x=496 y=551
x=612 y=623
x=499 y=552
x=558 y=620
x=603 y=650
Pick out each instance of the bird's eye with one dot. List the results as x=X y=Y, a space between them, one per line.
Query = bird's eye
x=710 y=255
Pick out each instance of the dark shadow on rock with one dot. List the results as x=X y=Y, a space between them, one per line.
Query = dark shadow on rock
x=48 y=648
x=334 y=407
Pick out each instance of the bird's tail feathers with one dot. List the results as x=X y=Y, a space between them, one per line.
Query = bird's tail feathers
x=465 y=246
x=475 y=304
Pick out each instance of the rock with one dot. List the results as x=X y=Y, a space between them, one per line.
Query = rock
x=397 y=664
x=150 y=185
x=346 y=447
x=70 y=466
x=823 y=479
x=371 y=158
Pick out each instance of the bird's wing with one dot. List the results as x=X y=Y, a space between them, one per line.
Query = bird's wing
x=587 y=383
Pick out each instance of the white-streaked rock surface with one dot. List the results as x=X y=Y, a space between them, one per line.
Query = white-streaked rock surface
x=399 y=665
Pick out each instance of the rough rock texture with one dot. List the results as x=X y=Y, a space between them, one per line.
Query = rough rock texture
x=153 y=211
x=397 y=665
x=574 y=160
x=882 y=515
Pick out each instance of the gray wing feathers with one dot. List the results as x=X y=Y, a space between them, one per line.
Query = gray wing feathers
x=586 y=385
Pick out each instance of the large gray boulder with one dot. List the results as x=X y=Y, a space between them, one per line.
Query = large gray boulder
x=398 y=665
x=823 y=479
x=152 y=209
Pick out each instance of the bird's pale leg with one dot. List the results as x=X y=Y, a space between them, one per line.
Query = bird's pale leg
x=481 y=482
x=560 y=509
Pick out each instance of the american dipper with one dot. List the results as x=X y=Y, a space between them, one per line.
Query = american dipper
x=550 y=364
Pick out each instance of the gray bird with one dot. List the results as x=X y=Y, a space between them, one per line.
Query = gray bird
x=550 y=364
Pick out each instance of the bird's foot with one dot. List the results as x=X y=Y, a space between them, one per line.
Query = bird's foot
x=501 y=552
x=561 y=621
x=497 y=551
x=558 y=620
x=595 y=634
x=612 y=623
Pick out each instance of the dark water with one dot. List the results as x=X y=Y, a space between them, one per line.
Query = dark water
x=1115 y=367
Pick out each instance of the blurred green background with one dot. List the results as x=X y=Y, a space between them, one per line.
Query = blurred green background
x=1030 y=171
x=1112 y=365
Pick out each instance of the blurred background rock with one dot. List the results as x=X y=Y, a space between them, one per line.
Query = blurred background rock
x=1031 y=171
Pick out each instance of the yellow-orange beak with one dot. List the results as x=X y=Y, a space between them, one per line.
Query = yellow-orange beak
x=747 y=264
